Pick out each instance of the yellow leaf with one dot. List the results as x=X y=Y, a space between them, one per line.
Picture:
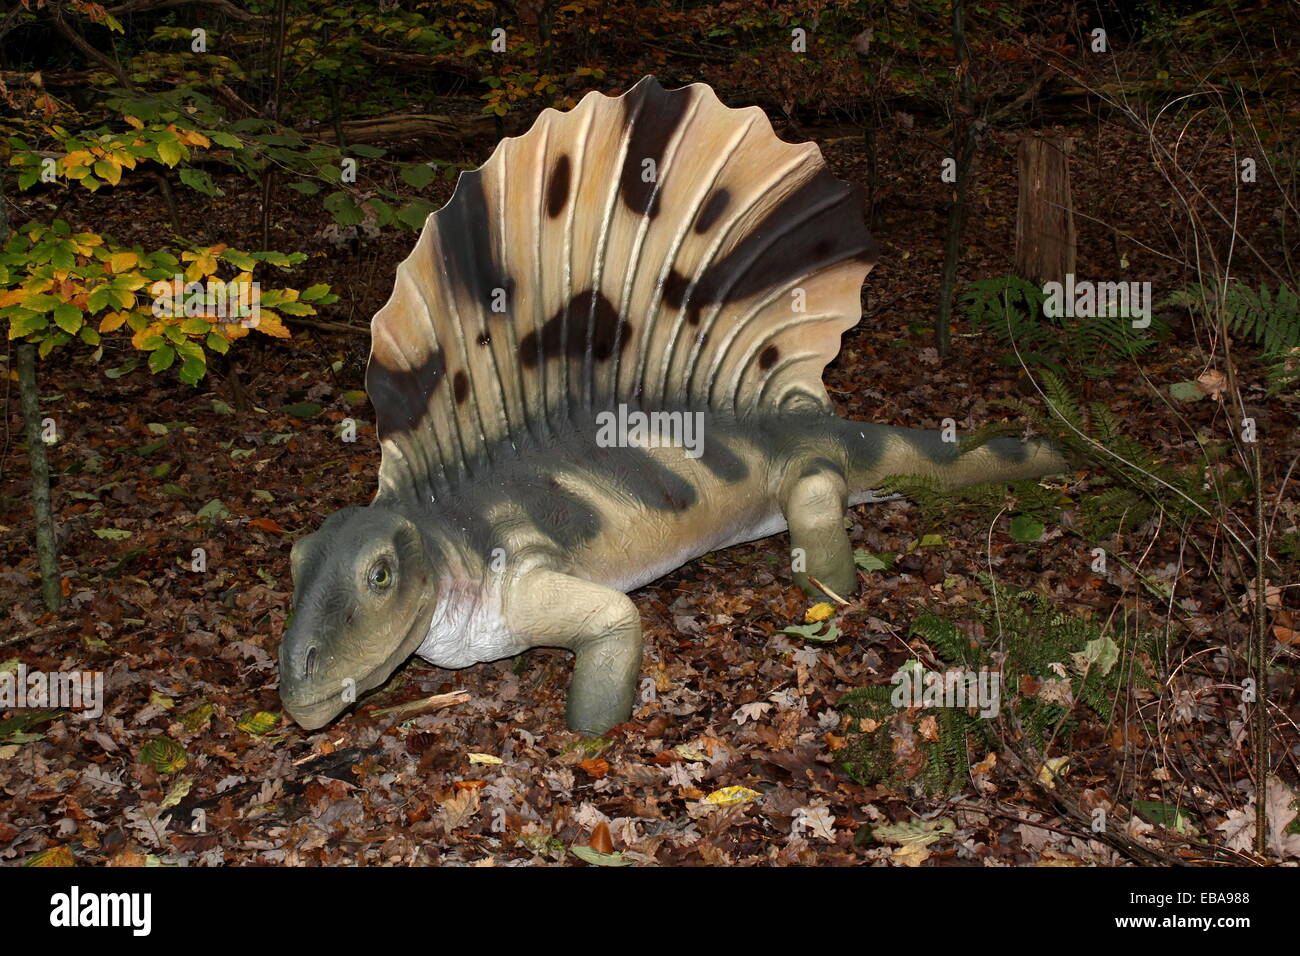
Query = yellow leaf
x=484 y=758
x=269 y=324
x=121 y=261
x=154 y=328
x=233 y=332
x=78 y=157
x=108 y=171
x=202 y=266
x=112 y=322
x=1051 y=770
x=818 y=612
x=129 y=283
x=196 y=139
x=133 y=121
x=911 y=854
x=55 y=856
x=730 y=796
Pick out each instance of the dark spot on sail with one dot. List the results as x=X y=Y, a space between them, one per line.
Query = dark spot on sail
x=654 y=115
x=468 y=255
x=713 y=208
x=818 y=225
x=483 y=338
x=768 y=357
x=399 y=396
x=460 y=387
x=675 y=287
x=557 y=193
x=568 y=330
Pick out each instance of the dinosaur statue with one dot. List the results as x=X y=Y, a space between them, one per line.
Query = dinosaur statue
x=602 y=360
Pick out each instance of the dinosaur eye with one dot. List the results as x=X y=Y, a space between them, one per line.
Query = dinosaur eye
x=380 y=576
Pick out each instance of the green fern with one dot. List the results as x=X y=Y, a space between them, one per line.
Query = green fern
x=1267 y=318
x=1011 y=311
x=1130 y=483
x=1035 y=644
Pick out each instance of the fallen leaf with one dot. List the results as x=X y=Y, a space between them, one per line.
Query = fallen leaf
x=730 y=796
x=819 y=612
x=601 y=841
x=1055 y=767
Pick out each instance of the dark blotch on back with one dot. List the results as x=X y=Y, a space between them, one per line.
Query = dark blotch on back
x=819 y=465
x=581 y=316
x=713 y=208
x=460 y=387
x=767 y=358
x=557 y=192
x=654 y=115
x=720 y=460
x=636 y=473
x=400 y=397
x=567 y=518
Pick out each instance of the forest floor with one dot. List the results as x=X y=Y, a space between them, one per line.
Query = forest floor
x=164 y=469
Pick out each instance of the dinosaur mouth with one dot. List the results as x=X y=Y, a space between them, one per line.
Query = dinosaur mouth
x=316 y=712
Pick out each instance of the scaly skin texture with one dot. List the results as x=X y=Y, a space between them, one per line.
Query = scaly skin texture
x=541 y=550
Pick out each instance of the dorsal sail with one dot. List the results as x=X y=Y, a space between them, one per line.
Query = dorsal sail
x=658 y=249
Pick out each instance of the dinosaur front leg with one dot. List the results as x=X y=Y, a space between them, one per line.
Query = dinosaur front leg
x=814 y=504
x=603 y=629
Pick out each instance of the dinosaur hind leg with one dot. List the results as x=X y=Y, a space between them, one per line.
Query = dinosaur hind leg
x=814 y=500
x=600 y=625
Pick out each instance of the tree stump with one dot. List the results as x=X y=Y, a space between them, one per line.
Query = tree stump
x=1045 y=240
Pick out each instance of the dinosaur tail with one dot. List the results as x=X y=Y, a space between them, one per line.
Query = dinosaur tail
x=875 y=452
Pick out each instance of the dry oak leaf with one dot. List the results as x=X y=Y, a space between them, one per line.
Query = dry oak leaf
x=460 y=808
x=1213 y=383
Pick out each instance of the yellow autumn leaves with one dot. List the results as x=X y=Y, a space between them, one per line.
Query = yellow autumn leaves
x=102 y=160
x=63 y=286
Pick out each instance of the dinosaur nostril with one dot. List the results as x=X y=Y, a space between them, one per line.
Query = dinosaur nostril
x=309 y=666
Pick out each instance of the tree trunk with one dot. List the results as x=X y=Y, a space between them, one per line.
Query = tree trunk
x=965 y=135
x=44 y=514
x=273 y=109
x=1045 y=241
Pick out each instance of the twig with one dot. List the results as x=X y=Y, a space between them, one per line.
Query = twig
x=427 y=705
x=829 y=593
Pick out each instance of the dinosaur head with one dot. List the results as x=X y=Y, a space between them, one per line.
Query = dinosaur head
x=364 y=592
